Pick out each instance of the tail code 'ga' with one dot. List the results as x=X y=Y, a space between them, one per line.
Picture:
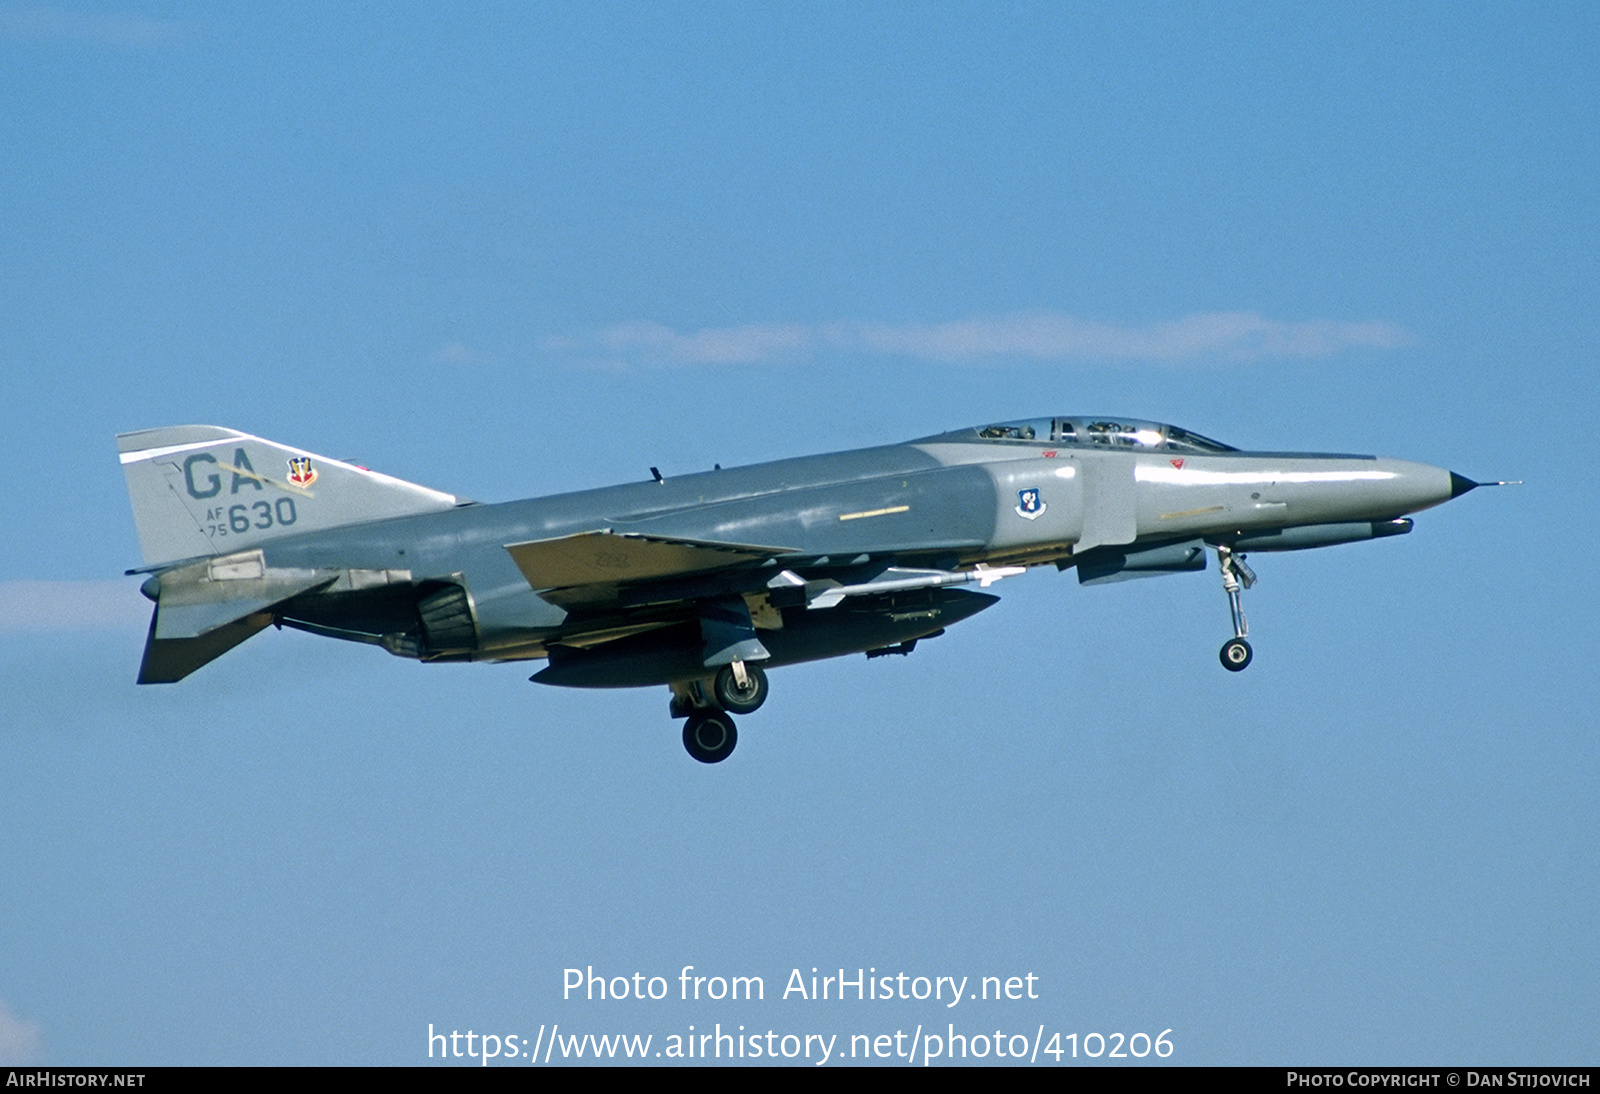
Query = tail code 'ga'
x=201 y=490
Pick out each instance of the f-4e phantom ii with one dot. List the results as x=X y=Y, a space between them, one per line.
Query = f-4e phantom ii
x=703 y=581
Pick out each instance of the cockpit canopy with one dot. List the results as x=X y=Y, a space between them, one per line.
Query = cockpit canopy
x=1095 y=431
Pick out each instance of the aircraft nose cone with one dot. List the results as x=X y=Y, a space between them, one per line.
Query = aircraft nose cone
x=1460 y=484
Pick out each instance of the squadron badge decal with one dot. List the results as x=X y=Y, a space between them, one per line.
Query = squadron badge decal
x=301 y=473
x=1029 y=503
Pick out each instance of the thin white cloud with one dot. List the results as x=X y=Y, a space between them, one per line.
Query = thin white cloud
x=21 y=1041
x=126 y=31
x=1050 y=336
x=714 y=345
x=35 y=606
x=1038 y=336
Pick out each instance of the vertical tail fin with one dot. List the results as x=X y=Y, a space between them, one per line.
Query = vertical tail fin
x=201 y=490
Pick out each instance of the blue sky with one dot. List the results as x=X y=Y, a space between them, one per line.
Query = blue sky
x=509 y=250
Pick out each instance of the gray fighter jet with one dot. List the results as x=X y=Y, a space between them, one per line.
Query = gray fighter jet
x=700 y=582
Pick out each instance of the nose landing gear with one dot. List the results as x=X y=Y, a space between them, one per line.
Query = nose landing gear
x=1236 y=653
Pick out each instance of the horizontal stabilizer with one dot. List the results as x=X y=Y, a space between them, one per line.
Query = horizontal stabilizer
x=605 y=557
x=197 y=599
x=168 y=660
x=205 y=609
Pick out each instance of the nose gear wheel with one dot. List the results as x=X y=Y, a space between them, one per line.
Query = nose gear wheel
x=1236 y=575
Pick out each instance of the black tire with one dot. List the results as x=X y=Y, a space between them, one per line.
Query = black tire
x=1236 y=654
x=709 y=736
x=732 y=698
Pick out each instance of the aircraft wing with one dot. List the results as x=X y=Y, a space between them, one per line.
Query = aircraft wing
x=593 y=566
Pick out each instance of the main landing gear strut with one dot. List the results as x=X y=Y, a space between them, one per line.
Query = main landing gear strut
x=1236 y=652
x=710 y=735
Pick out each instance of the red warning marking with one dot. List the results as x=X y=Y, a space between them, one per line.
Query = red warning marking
x=1178 y=464
x=1050 y=455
